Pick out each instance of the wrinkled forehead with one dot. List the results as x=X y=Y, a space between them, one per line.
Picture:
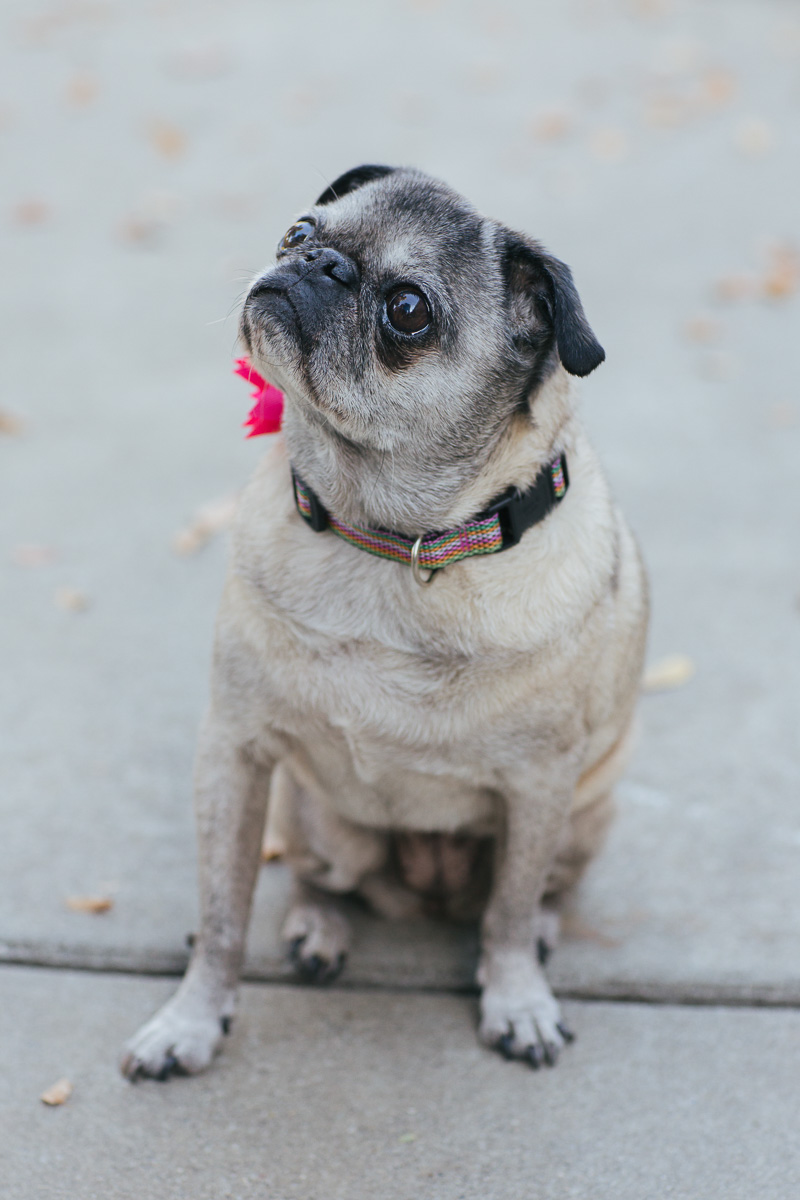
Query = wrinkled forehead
x=406 y=224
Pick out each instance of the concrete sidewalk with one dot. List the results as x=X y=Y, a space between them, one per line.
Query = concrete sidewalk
x=155 y=154
x=132 y=422
x=321 y=1096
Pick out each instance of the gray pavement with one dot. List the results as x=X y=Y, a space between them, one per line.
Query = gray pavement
x=152 y=156
x=352 y=1096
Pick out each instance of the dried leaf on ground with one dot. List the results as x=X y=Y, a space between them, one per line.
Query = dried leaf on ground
x=718 y=87
x=572 y=926
x=783 y=416
x=718 y=366
x=609 y=145
x=731 y=288
x=31 y=212
x=31 y=555
x=667 y=673
x=785 y=40
x=782 y=276
x=412 y=108
x=200 y=60
x=551 y=126
x=273 y=850
x=484 y=77
x=139 y=230
x=677 y=55
x=167 y=139
x=82 y=90
x=650 y=9
x=702 y=328
x=58 y=1093
x=71 y=599
x=212 y=518
x=669 y=109
x=151 y=217
x=301 y=104
x=236 y=205
x=9 y=423
x=89 y=904
x=60 y=16
x=779 y=279
x=755 y=137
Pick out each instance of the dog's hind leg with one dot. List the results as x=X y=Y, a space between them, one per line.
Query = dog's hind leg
x=316 y=933
x=329 y=857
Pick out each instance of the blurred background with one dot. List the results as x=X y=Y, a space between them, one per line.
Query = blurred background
x=153 y=154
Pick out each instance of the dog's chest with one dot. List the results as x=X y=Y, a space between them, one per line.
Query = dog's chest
x=408 y=704
x=401 y=738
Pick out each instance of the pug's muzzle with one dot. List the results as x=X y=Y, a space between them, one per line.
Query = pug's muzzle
x=301 y=294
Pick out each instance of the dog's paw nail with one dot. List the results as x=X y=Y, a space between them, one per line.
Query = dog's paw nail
x=542 y=951
x=191 y=938
x=295 y=946
x=310 y=969
x=504 y=1045
x=550 y=1053
x=534 y=1056
x=565 y=1032
x=131 y=1068
x=169 y=1068
x=225 y=1024
x=335 y=968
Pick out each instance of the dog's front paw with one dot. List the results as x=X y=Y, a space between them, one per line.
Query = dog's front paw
x=520 y=1016
x=181 y=1039
x=318 y=938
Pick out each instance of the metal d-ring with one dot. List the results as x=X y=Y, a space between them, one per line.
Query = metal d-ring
x=415 y=567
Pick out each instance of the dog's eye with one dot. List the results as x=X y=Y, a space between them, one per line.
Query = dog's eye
x=298 y=233
x=408 y=311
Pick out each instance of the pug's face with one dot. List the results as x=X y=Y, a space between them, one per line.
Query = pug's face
x=396 y=314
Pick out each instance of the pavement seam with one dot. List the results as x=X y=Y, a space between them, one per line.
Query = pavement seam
x=678 y=993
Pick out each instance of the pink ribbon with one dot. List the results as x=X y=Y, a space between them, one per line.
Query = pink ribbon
x=265 y=415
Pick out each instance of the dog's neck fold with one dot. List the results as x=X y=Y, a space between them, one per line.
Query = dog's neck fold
x=416 y=488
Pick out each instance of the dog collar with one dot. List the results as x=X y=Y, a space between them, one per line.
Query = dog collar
x=497 y=527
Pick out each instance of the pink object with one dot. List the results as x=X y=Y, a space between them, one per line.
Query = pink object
x=265 y=415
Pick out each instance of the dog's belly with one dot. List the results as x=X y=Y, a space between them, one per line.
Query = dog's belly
x=372 y=784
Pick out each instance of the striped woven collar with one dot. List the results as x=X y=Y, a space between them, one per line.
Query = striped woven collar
x=500 y=525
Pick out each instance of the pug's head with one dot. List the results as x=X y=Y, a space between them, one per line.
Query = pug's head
x=398 y=320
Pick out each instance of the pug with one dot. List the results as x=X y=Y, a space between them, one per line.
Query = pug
x=430 y=642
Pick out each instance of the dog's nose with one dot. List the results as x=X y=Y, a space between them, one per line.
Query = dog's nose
x=337 y=266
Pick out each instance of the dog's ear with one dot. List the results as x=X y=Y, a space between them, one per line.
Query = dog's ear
x=352 y=180
x=541 y=287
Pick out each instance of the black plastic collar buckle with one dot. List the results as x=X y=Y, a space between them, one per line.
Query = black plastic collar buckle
x=518 y=511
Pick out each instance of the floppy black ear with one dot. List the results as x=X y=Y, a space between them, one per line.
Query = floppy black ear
x=352 y=180
x=540 y=282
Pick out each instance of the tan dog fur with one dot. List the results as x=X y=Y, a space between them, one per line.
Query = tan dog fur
x=495 y=703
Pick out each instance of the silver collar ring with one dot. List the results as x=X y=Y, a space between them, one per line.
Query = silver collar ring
x=422 y=580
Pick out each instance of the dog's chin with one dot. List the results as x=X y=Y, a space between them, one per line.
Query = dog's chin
x=279 y=359
x=271 y=328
